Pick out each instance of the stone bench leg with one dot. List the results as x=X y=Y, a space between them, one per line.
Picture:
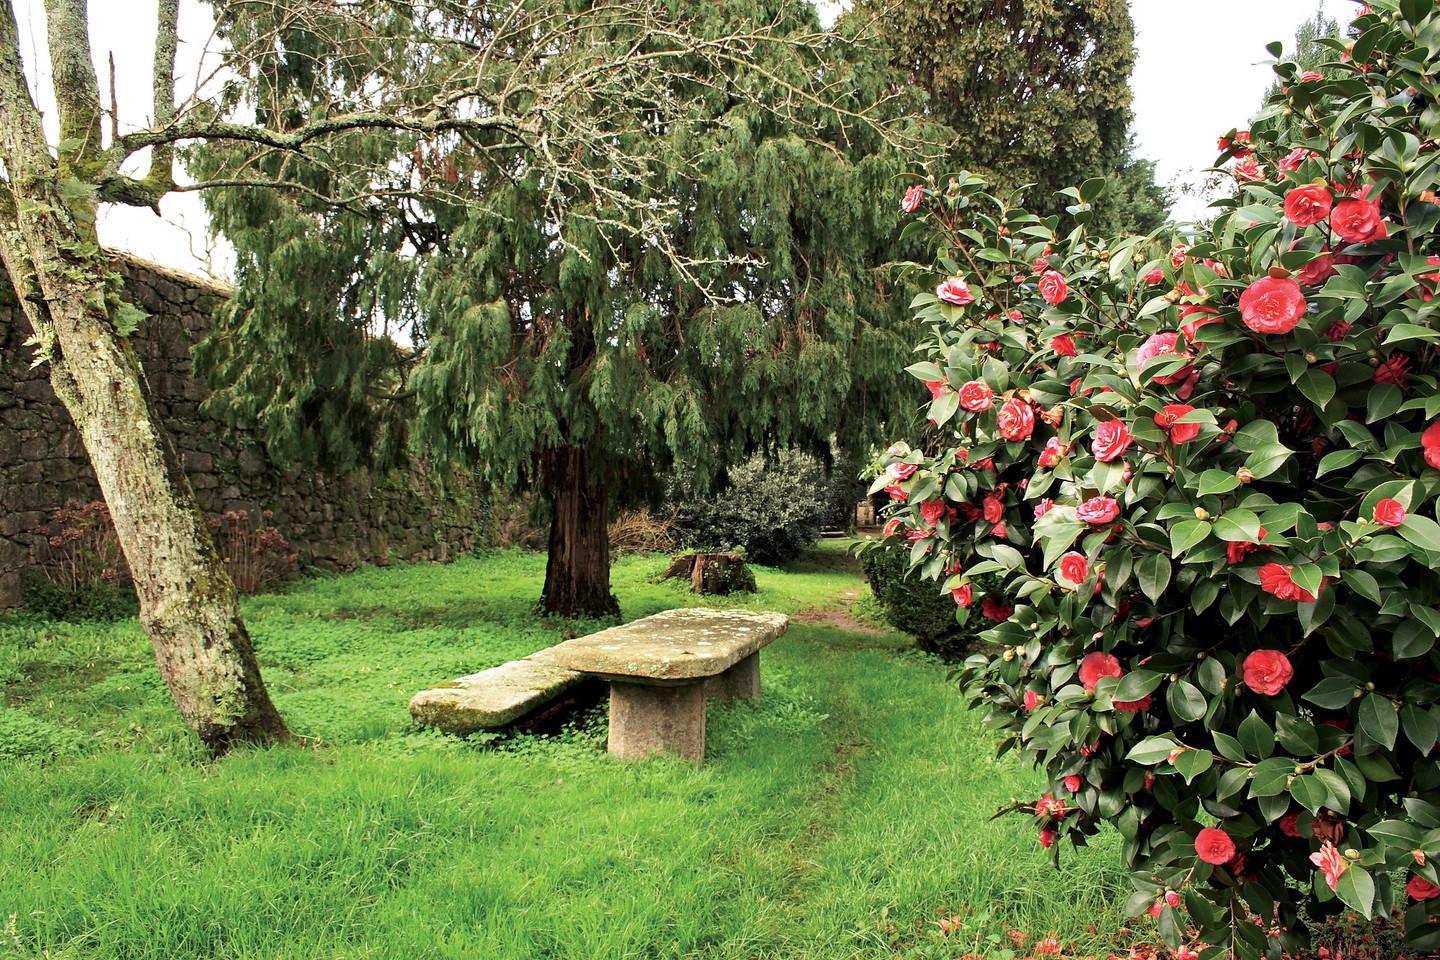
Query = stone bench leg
x=646 y=719
x=740 y=682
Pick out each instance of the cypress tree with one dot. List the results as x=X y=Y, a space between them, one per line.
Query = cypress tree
x=565 y=345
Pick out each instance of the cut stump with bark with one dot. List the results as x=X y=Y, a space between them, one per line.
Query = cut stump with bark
x=712 y=573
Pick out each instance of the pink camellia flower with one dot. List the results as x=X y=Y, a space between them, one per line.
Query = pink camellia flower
x=1310 y=76
x=937 y=388
x=1052 y=454
x=1063 y=345
x=891 y=526
x=1074 y=567
x=1214 y=846
x=1267 y=672
x=1276 y=580
x=1154 y=276
x=976 y=395
x=1178 y=254
x=1272 y=305
x=956 y=291
x=1330 y=862
x=1040 y=265
x=999 y=531
x=1193 y=317
x=1073 y=783
x=1394 y=369
x=1053 y=288
x=1043 y=507
x=915 y=534
x=1096 y=665
x=897 y=493
x=1179 y=432
x=1357 y=220
x=964 y=595
x=913 y=196
x=1421 y=889
x=1291 y=161
x=1430 y=443
x=995 y=610
x=900 y=470
x=1097 y=511
x=1112 y=439
x=933 y=511
x=1161 y=345
x=1389 y=513
x=1032 y=700
x=1308 y=205
x=1248 y=170
x=1016 y=420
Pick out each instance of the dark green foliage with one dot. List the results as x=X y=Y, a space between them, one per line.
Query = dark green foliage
x=913 y=604
x=101 y=601
x=772 y=510
x=1034 y=92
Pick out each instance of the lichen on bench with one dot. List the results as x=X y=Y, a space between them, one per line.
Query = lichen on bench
x=493 y=698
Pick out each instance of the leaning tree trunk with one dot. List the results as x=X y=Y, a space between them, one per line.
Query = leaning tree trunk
x=188 y=603
x=577 y=572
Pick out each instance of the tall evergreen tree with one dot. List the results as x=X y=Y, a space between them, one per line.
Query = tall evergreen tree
x=1036 y=92
x=553 y=338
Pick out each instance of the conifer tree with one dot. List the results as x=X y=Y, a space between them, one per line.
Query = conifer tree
x=1035 y=92
x=706 y=290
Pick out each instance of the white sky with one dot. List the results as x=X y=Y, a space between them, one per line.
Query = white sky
x=1199 y=71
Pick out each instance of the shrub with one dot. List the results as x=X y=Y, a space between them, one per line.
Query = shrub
x=256 y=555
x=642 y=530
x=1205 y=476
x=81 y=571
x=912 y=605
x=773 y=510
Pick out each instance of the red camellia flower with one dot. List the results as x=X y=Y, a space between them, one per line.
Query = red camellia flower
x=1052 y=453
x=994 y=509
x=995 y=610
x=1291 y=161
x=964 y=595
x=1063 y=345
x=1095 y=666
x=1112 y=438
x=1310 y=76
x=1179 y=432
x=1214 y=845
x=976 y=396
x=1193 y=317
x=1357 y=220
x=1072 y=783
x=891 y=526
x=1430 y=443
x=1043 y=507
x=901 y=470
x=1238 y=550
x=1421 y=889
x=1272 y=305
x=1053 y=288
x=937 y=388
x=1047 y=837
x=1032 y=700
x=1317 y=271
x=1275 y=579
x=1267 y=671
x=1308 y=205
x=912 y=199
x=1290 y=824
x=1134 y=706
x=1161 y=345
x=1097 y=510
x=1155 y=276
x=932 y=511
x=1338 y=331
x=956 y=291
x=1074 y=567
x=1390 y=513
x=1248 y=169
x=1394 y=369
x=1016 y=420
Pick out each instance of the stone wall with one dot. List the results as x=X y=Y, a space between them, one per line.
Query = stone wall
x=333 y=522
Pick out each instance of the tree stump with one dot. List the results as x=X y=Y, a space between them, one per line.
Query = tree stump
x=713 y=573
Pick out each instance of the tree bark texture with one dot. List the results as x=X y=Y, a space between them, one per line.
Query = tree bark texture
x=188 y=604
x=577 y=572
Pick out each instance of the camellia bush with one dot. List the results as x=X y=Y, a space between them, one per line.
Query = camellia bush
x=1204 y=471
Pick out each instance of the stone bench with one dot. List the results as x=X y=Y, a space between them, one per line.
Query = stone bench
x=496 y=697
x=662 y=670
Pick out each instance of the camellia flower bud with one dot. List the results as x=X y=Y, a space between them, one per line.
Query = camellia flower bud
x=1244 y=475
x=1201 y=513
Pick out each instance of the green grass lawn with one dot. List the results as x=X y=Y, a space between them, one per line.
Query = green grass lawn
x=840 y=816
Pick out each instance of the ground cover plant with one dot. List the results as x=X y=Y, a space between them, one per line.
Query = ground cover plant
x=843 y=815
x=1205 y=471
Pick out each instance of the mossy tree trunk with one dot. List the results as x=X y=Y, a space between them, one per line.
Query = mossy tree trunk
x=577 y=572
x=48 y=244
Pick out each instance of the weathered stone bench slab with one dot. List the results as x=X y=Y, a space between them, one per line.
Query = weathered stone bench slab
x=494 y=698
x=662 y=670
